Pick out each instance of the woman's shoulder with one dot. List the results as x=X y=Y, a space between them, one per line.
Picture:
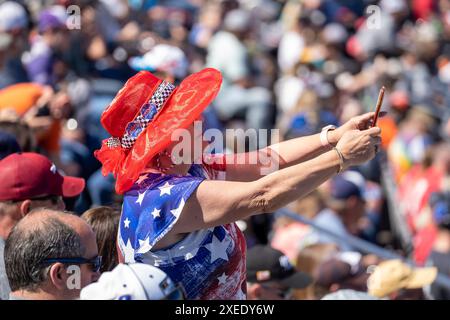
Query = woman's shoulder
x=163 y=182
x=153 y=206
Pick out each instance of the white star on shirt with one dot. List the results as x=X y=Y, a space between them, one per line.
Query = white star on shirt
x=241 y=295
x=176 y=212
x=140 y=197
x=155 y=213
x=165 y=189
x=126 y=223
x=142 y=179
x=222 y=279
x=128 y=252
x=218 y=248
x=144 y=245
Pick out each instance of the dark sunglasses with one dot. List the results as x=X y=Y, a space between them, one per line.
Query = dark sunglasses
x=96 y=262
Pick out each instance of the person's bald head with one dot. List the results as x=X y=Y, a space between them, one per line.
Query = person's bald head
x=41 y=217
x=38 y=218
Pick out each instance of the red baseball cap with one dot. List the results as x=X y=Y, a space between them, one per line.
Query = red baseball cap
x=28 y=175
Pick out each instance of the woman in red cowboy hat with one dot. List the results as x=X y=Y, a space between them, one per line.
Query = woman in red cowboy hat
x=180 y=217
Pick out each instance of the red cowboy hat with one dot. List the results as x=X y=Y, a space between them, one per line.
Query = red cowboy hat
x=142 y=117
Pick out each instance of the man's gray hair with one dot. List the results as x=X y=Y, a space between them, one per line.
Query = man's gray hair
x=27 y=247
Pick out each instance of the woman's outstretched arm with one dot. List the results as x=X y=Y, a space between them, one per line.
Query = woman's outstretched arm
x=244 y=167
x=219 y=202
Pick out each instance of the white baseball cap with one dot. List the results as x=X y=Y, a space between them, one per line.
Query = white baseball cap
x=137 y=281
x=12 y=16
x=162 y=57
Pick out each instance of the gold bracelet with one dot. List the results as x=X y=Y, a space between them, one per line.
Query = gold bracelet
x=341 y=160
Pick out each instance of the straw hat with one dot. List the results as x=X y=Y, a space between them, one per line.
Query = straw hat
x=392 y=275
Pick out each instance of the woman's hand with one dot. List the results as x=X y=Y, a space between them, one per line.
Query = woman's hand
x=359 y=146
x=361 y=122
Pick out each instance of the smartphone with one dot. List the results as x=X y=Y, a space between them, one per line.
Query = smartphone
x=378 y=106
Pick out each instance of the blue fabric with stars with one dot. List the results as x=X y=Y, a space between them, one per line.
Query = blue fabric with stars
x=153 y=207
x=209 y=263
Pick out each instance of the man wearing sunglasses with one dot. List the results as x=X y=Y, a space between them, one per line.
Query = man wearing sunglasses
x=29 y=181
x=51 y=255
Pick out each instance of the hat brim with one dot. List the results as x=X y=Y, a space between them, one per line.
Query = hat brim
x=298 y=280
x=421 y=277
x=72 y=186
x=183 y=107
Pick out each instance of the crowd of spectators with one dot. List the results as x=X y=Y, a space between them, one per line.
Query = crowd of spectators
x=294 y=65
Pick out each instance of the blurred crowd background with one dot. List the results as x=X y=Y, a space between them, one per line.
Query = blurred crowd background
x=295 y=65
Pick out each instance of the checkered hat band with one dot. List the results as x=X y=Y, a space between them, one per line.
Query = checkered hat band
x=113 y=142
x=148 y=112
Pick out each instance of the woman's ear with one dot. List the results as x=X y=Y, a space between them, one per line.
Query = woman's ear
x=58 y=276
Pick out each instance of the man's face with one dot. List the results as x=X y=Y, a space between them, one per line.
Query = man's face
x=88 y=274
x=19 y=208
x=355 y=209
